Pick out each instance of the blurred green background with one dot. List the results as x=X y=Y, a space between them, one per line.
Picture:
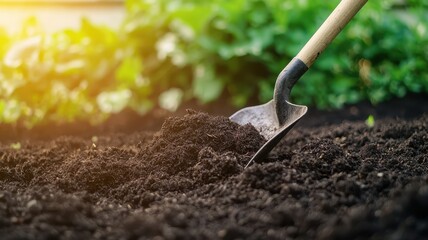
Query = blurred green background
x=167 y=52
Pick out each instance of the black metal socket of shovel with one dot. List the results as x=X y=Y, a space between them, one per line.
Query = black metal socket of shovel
x=276 y=118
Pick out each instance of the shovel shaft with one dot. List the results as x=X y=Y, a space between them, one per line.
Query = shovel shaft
x=331 y=27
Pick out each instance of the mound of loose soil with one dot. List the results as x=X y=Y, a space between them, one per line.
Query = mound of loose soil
x=187 y=181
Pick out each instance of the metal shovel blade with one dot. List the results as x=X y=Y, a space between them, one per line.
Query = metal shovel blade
x=264 y=119
x=274 y=119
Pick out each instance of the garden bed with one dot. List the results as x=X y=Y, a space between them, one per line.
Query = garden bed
x=341 y=180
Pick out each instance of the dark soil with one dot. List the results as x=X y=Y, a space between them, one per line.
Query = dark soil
x=187 y=181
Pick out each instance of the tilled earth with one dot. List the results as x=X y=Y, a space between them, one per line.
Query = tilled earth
x=187 y=181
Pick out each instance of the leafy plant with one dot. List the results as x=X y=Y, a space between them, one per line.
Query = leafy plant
x=239 y=47
x=73 y=74
x=370 y=121
x=15 y=146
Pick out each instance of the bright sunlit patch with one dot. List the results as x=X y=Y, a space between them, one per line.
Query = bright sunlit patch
x=166 y=45
x=11 y=111
x=55 y=15
x=171 y=99
x=421 y=29
x=22 y=51
x=113 y=102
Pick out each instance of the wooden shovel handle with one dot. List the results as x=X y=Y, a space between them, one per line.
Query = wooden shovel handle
x=337 y=20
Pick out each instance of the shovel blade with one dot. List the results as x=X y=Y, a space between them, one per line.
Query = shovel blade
x=262 y=117
x=271 y=125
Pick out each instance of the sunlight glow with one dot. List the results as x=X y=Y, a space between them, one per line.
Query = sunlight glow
x=54 y=15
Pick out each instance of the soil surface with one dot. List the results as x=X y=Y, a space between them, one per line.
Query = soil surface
x=338 y=181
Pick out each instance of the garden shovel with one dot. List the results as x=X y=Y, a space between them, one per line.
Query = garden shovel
x=274 y=119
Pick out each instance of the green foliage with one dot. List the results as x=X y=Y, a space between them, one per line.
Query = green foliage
x=240 y=46
x=370 y=121
x=15 y=146
x=172 y=51
x=73 y=74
